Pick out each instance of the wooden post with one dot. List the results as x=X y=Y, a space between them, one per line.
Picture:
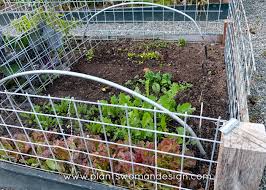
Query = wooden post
x=225 y=31
x=242 y=158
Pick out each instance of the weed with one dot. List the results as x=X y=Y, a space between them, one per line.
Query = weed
x=90 y=55
x=52 y=19
x=142 y=57
x=155 y=44
x=182 y=42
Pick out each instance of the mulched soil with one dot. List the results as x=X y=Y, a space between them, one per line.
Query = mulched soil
x=186 y=64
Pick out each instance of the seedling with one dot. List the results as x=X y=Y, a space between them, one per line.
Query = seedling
x=155 y=45
x=90 y=55
x=182 y=42
x=142 y=57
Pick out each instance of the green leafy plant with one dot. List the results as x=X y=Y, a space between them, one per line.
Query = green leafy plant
x=16 y=43
x=142 y=57
x=90 y=55
x=9 y=69
x=152 y=82
x=51 y=18
x=155 y=45
x=182 y=42
x=131 y=55
x=185 y=108
x=159 y=84
x=157 y=87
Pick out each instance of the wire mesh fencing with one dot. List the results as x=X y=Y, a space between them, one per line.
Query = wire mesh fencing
x=108 y=143
x=39 y=39
x=239 y=59
x=135 y=21
x=55 y=34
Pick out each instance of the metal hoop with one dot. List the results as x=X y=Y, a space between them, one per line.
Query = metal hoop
x=117 y=86
x=143 y=3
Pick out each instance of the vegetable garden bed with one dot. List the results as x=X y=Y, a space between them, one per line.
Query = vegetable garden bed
x=175 y=74
x=119 y=62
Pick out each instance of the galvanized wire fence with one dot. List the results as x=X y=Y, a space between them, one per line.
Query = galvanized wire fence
x=135 y=21
x=42 y=37
x=46 y=35
x=56 y=136
x=239 y=59
x=39 y=40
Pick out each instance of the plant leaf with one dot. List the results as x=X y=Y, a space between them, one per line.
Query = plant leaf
x=185 y=108
x=156 y=88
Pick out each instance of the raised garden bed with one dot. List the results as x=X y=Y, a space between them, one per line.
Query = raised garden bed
x=146 y=67
x=34 y=179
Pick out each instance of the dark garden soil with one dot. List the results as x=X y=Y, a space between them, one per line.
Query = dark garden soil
x=186 y=64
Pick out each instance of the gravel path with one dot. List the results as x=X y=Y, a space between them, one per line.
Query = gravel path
x=137 y=30
x=256 y=13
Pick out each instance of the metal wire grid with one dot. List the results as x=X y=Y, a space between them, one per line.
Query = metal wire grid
x=41 y=53
x=49 y=50
x=239 y=59
x=117 y=22
x=150 y=21
x=10 y=126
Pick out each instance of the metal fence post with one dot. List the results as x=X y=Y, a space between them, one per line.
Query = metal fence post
x=242 y=156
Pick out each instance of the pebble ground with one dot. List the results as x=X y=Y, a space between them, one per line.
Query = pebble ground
x=256 y=13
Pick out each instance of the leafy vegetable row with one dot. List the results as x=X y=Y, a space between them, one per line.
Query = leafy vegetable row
x=156 y=86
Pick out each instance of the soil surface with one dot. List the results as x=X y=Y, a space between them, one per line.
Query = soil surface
x=187 y=64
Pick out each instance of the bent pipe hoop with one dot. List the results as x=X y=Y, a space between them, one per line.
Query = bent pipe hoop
x=143 y=3
x=114 y=85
